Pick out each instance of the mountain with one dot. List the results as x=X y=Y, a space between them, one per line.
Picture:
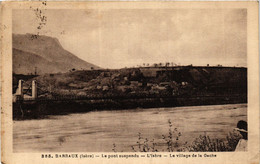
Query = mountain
x=43 y=54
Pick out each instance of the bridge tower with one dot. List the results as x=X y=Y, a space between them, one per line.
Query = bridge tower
x=20 y=88
x=34 y=89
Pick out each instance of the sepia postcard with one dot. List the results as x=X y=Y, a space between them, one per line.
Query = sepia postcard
x=129 y=82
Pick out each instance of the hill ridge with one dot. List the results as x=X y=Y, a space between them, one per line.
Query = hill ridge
x=49 y=49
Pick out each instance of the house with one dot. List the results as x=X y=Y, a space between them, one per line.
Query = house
x=140 y=84
x=99 y=87
x=105 y=88
x=157 y=87
x=149 y=84
x=165 y=84
x=134 y=83
x=184 y=83
x=124 y=88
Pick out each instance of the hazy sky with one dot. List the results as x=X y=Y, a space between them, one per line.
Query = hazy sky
x=119 y=38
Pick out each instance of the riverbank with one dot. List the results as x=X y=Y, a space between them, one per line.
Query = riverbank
x=42 y=108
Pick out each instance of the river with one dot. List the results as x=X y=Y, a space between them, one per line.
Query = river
x=97 y=131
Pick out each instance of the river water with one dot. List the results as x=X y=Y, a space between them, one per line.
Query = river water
x=97 y=131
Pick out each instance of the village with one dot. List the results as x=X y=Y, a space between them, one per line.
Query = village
x=142 y=81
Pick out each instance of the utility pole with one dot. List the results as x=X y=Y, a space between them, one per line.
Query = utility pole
x=34 y=89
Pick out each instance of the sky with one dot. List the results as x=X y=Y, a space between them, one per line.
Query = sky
x=118 y=38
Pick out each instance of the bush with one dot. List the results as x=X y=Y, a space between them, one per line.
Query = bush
x=171 y=142
x=144 y=145
x=206 y=144
x=172 y=139
x=201 y=144
x=233 y=139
